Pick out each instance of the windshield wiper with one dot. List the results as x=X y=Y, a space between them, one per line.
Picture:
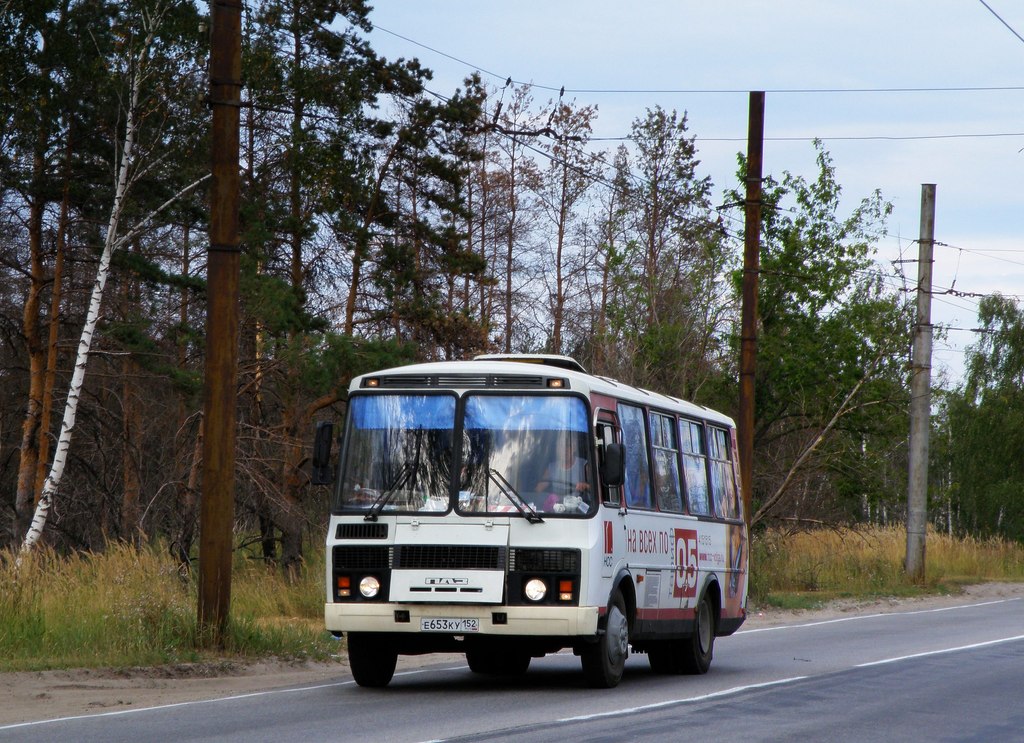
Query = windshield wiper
x=506 y=489
x=406 y=475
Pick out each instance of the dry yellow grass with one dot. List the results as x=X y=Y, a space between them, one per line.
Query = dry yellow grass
x=130 y=606
x=827 y=563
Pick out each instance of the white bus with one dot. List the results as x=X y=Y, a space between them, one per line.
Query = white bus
x=513 y=506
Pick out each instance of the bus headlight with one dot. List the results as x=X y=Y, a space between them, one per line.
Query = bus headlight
x=535 y=589
x=369 y=587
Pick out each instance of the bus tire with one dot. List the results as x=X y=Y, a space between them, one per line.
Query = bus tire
x=372 y=659
x=665 y=656
x=604 y=661
x=698 y=649
x=490 y=663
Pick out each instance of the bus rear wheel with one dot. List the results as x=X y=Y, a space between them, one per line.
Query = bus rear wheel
x=371 y=658
x=497 y=662
x=690 y=654
x=665 y=656
x=698 y=649
x=605 y=660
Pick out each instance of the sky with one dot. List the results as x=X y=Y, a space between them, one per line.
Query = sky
x=901 y=92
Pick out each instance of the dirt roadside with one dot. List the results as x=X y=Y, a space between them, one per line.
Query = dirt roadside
x=52 y=694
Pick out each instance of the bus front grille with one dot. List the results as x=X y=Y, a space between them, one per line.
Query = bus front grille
x=374 y=530
x=545 y=560
x=361 y=558
x=453 y=556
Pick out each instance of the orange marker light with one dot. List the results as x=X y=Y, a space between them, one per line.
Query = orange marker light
x=565 y=590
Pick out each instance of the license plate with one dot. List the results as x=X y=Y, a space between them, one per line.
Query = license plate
x=446 y=624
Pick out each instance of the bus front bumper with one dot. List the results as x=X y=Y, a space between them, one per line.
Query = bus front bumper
x=539 y=621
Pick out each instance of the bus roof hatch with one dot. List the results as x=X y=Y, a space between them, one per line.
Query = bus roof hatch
x=547 y=359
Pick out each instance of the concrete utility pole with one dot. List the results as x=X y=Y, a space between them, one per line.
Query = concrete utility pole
x=217 y=513
x=920 y=393
x=751 y=266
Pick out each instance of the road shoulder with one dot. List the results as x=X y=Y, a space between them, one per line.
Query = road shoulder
x=46 y=695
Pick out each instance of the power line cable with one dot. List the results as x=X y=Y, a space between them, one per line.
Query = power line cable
x=843 y=137
x=984 y=253
x=714 y=91
x=1012 y=31
x=783 y=91
x=561 y=90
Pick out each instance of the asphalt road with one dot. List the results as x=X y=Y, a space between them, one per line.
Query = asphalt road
x=951 y=674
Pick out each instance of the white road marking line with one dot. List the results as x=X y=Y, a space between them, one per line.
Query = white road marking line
x=925 y=654
x=859 y=617
x=682 y=700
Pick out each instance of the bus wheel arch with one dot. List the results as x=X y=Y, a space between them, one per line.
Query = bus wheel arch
x=624 y=585
x=605 y=660
x=713 y=590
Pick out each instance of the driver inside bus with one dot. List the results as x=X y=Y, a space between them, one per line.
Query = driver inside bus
x=567 y=481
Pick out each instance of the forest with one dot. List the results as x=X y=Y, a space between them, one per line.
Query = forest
x=385 y=222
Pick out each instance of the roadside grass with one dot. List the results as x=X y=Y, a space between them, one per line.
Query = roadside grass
x=803 y=570
x=130 y=607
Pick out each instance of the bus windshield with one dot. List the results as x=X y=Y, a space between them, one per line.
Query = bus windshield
x=523 y=455
x=399 y=453
x=534 y=446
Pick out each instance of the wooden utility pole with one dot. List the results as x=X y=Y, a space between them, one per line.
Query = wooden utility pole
x=218 y=488
x=920 y=393
x=751 y=267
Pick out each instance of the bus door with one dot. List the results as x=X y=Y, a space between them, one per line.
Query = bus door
x=612 y=521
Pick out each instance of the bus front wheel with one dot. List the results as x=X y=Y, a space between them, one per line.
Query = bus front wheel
x=371 y=658
x=605 y=660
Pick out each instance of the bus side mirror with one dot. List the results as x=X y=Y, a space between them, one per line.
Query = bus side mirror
x=322 y=442
x=611 y=467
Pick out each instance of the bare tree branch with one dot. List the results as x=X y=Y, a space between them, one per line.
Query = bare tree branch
x=843 y=409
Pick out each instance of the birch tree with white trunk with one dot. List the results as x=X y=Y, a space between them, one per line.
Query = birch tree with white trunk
x=128 y=171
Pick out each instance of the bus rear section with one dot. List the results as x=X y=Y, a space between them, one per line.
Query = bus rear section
x=477 y=510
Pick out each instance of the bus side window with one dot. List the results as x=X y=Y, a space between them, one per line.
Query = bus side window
x=612 y=494
x=694 y=467
x=638 y=468
x=723 y=487
x=666 y=463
